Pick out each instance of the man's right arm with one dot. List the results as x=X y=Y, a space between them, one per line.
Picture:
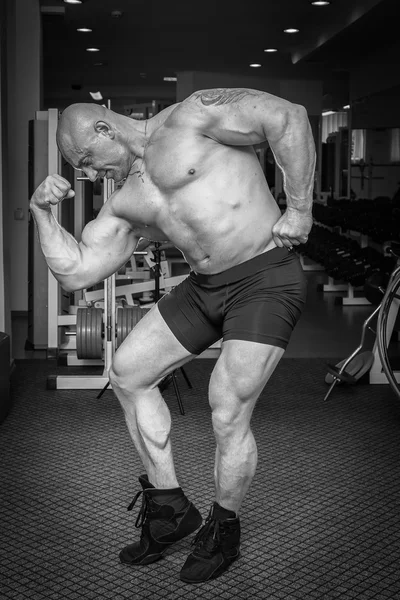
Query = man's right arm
x=107 y=242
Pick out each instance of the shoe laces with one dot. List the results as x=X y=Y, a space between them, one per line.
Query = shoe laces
x=208 y=538
x=144 y=509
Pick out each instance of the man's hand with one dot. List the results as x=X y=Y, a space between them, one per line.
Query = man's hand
x=51 y=191
x=292 y=228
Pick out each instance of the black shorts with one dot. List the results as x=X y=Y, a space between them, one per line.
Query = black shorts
x=259 y=300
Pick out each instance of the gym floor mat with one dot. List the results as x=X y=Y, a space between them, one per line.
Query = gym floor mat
x=321 y=519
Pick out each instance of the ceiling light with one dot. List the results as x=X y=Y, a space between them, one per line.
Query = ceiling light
x=346 y=107
x=84 y=30
x=96 y=95
x=271 y=50
x=326 y=113
x=255 y=65
x=73 y=1
x=320 y=2
x=291 y=31
x=170 y=79
x=99 y=64
x=92 y=49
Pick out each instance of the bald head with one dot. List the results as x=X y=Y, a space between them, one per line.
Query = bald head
x=98 y=141
x=77 y=124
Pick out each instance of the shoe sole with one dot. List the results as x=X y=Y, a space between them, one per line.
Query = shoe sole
x=222 y=569
x=146 y=560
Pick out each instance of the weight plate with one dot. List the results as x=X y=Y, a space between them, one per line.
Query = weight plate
x=89 y=333
x=118 y=326
x=97 y=325
x=127 y=319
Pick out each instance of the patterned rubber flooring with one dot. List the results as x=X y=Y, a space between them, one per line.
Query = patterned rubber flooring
x=321 y=520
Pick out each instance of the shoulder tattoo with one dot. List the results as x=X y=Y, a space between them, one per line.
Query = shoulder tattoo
x=223 y=96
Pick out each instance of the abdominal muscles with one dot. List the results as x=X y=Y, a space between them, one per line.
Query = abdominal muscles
x=212 y=203
x=215 y=232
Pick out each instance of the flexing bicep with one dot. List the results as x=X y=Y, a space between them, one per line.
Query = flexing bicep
x=240 y=117
x=107 y=244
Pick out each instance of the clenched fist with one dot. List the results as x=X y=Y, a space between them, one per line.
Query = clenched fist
x=52 y=190
x=292 y=228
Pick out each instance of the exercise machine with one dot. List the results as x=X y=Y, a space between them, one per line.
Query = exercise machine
x=375 y=361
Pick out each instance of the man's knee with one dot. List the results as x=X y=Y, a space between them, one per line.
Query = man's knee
x=132 y=371
x=230 y=389
x=243 y=370
x=224 y=425
x=232 y=401
x=234 y=432
x=124 y=374
x=229 y=418
x=119 y=378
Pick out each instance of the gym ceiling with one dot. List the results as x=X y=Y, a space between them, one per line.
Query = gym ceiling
x=140 y=42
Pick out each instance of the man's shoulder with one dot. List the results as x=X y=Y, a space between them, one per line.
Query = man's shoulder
x=190 y=113
x=201 y=109
x=177 y=116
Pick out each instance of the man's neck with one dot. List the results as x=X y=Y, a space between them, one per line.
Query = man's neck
x=137 y=135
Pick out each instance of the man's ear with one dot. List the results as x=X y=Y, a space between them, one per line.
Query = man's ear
x=104 y=128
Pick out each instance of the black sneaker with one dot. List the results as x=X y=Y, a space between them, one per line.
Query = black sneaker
x=162 y=525
x=216 y=546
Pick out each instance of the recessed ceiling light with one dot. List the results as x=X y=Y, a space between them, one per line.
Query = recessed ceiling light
x=170 y=79
x=320 y=2
x=73 y=1
x=270 y=50
x=98 y=64
x=291 y=30
x=92 y=49
x=255 y=65
x=84 y=30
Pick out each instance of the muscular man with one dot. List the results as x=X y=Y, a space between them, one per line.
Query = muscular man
x=191 y=176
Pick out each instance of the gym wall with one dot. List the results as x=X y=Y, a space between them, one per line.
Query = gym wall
x=24 y=99
x=5 y=313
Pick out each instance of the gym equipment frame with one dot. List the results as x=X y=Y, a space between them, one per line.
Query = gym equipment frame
x=376 y=361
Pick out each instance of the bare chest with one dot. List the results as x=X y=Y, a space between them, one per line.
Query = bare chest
x=164 y=184
x=175 y=160
x=203 y=197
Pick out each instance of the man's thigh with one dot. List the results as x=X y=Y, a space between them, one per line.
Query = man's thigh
x=266 y=306
x=184 y=310
x=150 y=352
x=239 y=376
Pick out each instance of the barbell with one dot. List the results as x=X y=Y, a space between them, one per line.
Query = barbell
x=90 y=328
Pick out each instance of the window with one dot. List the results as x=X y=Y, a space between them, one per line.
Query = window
x=358 y=139
x=395 y=145
x=331 y=122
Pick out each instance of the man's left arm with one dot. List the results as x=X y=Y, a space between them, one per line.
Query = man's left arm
x=241 y=117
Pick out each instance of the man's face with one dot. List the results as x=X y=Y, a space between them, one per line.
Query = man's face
x=105 y=157
x=99 y=156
